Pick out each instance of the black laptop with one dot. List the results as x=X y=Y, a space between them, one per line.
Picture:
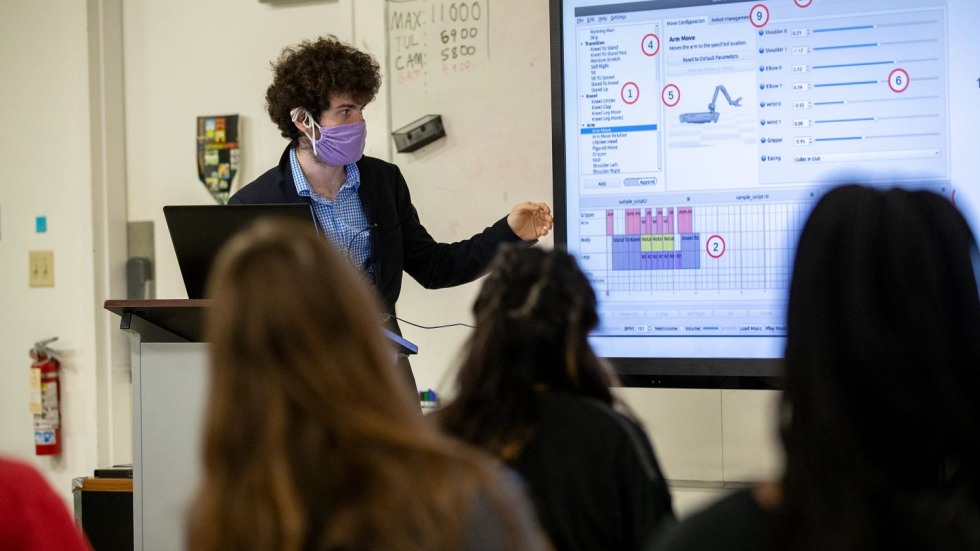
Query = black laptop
x=199 y=231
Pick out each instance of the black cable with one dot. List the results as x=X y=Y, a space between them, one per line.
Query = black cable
x=389 y=316
x=350 y=244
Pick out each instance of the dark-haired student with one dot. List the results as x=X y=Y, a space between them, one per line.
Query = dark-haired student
x=880 y=419
x=312 y=439
x=532 y=392
x=316 y=99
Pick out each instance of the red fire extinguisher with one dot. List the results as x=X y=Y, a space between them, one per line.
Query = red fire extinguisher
x=45 y=399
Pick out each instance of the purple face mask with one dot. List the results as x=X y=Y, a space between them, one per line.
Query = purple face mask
x=338 y=145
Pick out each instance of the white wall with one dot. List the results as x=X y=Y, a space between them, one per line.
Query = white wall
x=709 y=441
x=45 y=154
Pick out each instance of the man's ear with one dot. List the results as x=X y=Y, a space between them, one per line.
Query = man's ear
x=306 y=130
x=300 y=116
x=303 y=129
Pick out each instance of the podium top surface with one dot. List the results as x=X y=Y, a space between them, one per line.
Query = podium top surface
x=181 y=320
x=174 y=320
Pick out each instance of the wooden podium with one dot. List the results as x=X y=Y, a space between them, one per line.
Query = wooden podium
x=170 y=378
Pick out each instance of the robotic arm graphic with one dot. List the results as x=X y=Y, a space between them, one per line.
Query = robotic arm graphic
x=711 y=115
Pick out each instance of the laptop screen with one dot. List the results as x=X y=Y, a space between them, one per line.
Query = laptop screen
x=199 y=231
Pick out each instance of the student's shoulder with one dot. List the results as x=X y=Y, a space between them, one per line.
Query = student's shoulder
x=22 y=483
x=581 y=407
x=734 y=523
x=502 y=517
x=17 y=474
x=579 y=417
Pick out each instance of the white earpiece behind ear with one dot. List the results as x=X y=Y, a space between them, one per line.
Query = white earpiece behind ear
x=298 y=112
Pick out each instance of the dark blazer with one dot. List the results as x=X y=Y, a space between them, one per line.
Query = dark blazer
x=399 y=242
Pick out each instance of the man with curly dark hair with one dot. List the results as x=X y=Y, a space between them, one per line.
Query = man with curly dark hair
x=362 y=204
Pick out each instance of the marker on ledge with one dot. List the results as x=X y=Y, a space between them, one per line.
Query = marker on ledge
x=429 y=399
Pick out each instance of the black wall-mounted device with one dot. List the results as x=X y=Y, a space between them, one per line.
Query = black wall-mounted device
x=418 y=133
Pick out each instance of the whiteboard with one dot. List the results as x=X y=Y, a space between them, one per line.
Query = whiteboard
x=484 y=67
x=494 y=97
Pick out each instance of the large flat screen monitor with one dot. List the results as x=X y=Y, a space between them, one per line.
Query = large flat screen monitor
x=692 y=138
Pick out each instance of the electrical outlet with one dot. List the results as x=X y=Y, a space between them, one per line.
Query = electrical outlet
x=41 y=268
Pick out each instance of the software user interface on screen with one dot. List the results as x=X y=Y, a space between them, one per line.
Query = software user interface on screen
x=698 y=135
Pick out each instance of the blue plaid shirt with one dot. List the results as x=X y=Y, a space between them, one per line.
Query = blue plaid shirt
x=343 y=219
